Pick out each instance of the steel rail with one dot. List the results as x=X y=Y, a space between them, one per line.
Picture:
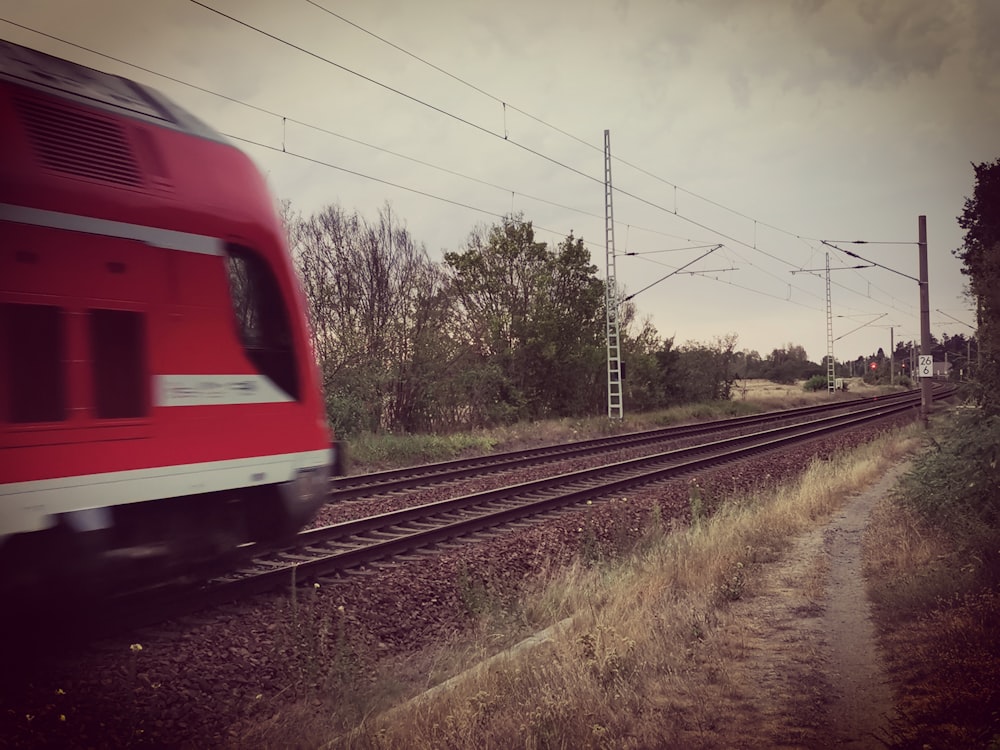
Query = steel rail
x=375 y=483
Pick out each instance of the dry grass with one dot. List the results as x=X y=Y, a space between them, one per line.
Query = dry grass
x=651 y=654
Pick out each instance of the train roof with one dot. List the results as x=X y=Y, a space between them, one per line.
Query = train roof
x=27 y=67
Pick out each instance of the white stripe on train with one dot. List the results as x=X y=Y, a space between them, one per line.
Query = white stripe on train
x=155 y=236
x=29 y=506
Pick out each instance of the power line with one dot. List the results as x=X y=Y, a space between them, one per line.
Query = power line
x=676 y=187
x=855 y=255
x=403 y=94
x=500 y=216
x=369 y=177
x=318 y=128
x=485 y=130
x=539 y=120
x=489 y=132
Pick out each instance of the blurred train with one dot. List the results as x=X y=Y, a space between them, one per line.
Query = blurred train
x=159 y=400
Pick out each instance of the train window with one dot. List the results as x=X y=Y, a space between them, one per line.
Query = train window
x=262 y=320
x=33 y=339
x=118 y=350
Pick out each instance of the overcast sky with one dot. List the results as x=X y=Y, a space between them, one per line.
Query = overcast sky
x=765 y=125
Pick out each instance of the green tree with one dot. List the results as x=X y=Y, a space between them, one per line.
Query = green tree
x=533 y=321
x=788 y=364
x=496 y=280
x=706 y=370
x=980 y=252
x=570 y=347
x=643 y=385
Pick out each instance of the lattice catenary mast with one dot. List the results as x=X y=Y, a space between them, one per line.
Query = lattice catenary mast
x=615 y=410
x=831 y=374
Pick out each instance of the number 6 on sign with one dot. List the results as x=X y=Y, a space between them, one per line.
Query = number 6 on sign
x=926 y=365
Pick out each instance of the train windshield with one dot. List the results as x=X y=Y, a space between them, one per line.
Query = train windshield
x=261 y=318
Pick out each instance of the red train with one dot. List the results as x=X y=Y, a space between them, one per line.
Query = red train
x=158 y=394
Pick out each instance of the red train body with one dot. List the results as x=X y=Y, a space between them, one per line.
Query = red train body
x=156 y=381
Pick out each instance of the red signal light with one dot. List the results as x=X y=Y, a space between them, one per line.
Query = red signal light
x=873 y=366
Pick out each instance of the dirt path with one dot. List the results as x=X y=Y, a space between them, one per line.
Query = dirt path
x=810 y=675
x=863 y=699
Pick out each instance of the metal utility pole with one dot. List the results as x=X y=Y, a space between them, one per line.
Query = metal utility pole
x=615 y=408
x=892 y=356
x=831 y=374
x=926 y=396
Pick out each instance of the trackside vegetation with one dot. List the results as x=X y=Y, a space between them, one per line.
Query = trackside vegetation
x=933 y=555
x=504 y=329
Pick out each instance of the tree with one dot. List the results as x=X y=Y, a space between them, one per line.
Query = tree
x=534 y=320
x=376 y=306
x=570 y=327
x=705 y=371
x=980 y=253
x=788 y=364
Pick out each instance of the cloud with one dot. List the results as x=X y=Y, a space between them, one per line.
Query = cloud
x=985 y=53
x=879 y=43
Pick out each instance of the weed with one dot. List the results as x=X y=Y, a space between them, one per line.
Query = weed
x=695 y=501
x=590 y=549
x=610 y=658
x=734 y=584
x=314 y=649
x=655 y=523
x=472 y=592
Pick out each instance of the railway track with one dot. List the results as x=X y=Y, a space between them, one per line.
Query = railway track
x=375 y=483
x=351 y=545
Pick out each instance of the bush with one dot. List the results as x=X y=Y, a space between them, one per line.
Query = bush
x=816 y=383
x=956 y=488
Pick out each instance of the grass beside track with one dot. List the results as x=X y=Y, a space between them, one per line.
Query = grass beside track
x=376 y=452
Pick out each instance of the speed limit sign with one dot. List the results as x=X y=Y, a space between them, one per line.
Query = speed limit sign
x=925 y=364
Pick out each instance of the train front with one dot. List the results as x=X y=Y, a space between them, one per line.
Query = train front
x=159 y=402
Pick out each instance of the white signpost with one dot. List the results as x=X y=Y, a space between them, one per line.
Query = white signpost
x=925 y=365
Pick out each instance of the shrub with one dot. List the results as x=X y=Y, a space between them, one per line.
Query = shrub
x=816 y=383
x=956 y=487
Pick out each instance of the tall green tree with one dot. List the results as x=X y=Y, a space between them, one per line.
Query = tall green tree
x=533 y=321
x=643 y=385
x=980 y=253
x=706 y=371
x=570 y=349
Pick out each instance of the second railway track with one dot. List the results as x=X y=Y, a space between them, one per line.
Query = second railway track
x=376 y=483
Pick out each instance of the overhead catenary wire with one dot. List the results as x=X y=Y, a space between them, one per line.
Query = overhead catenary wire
x=487 y=131
x=503 y=137
x=505 y=105
x=392 y=89
x=468 y=123
x=289 y=119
